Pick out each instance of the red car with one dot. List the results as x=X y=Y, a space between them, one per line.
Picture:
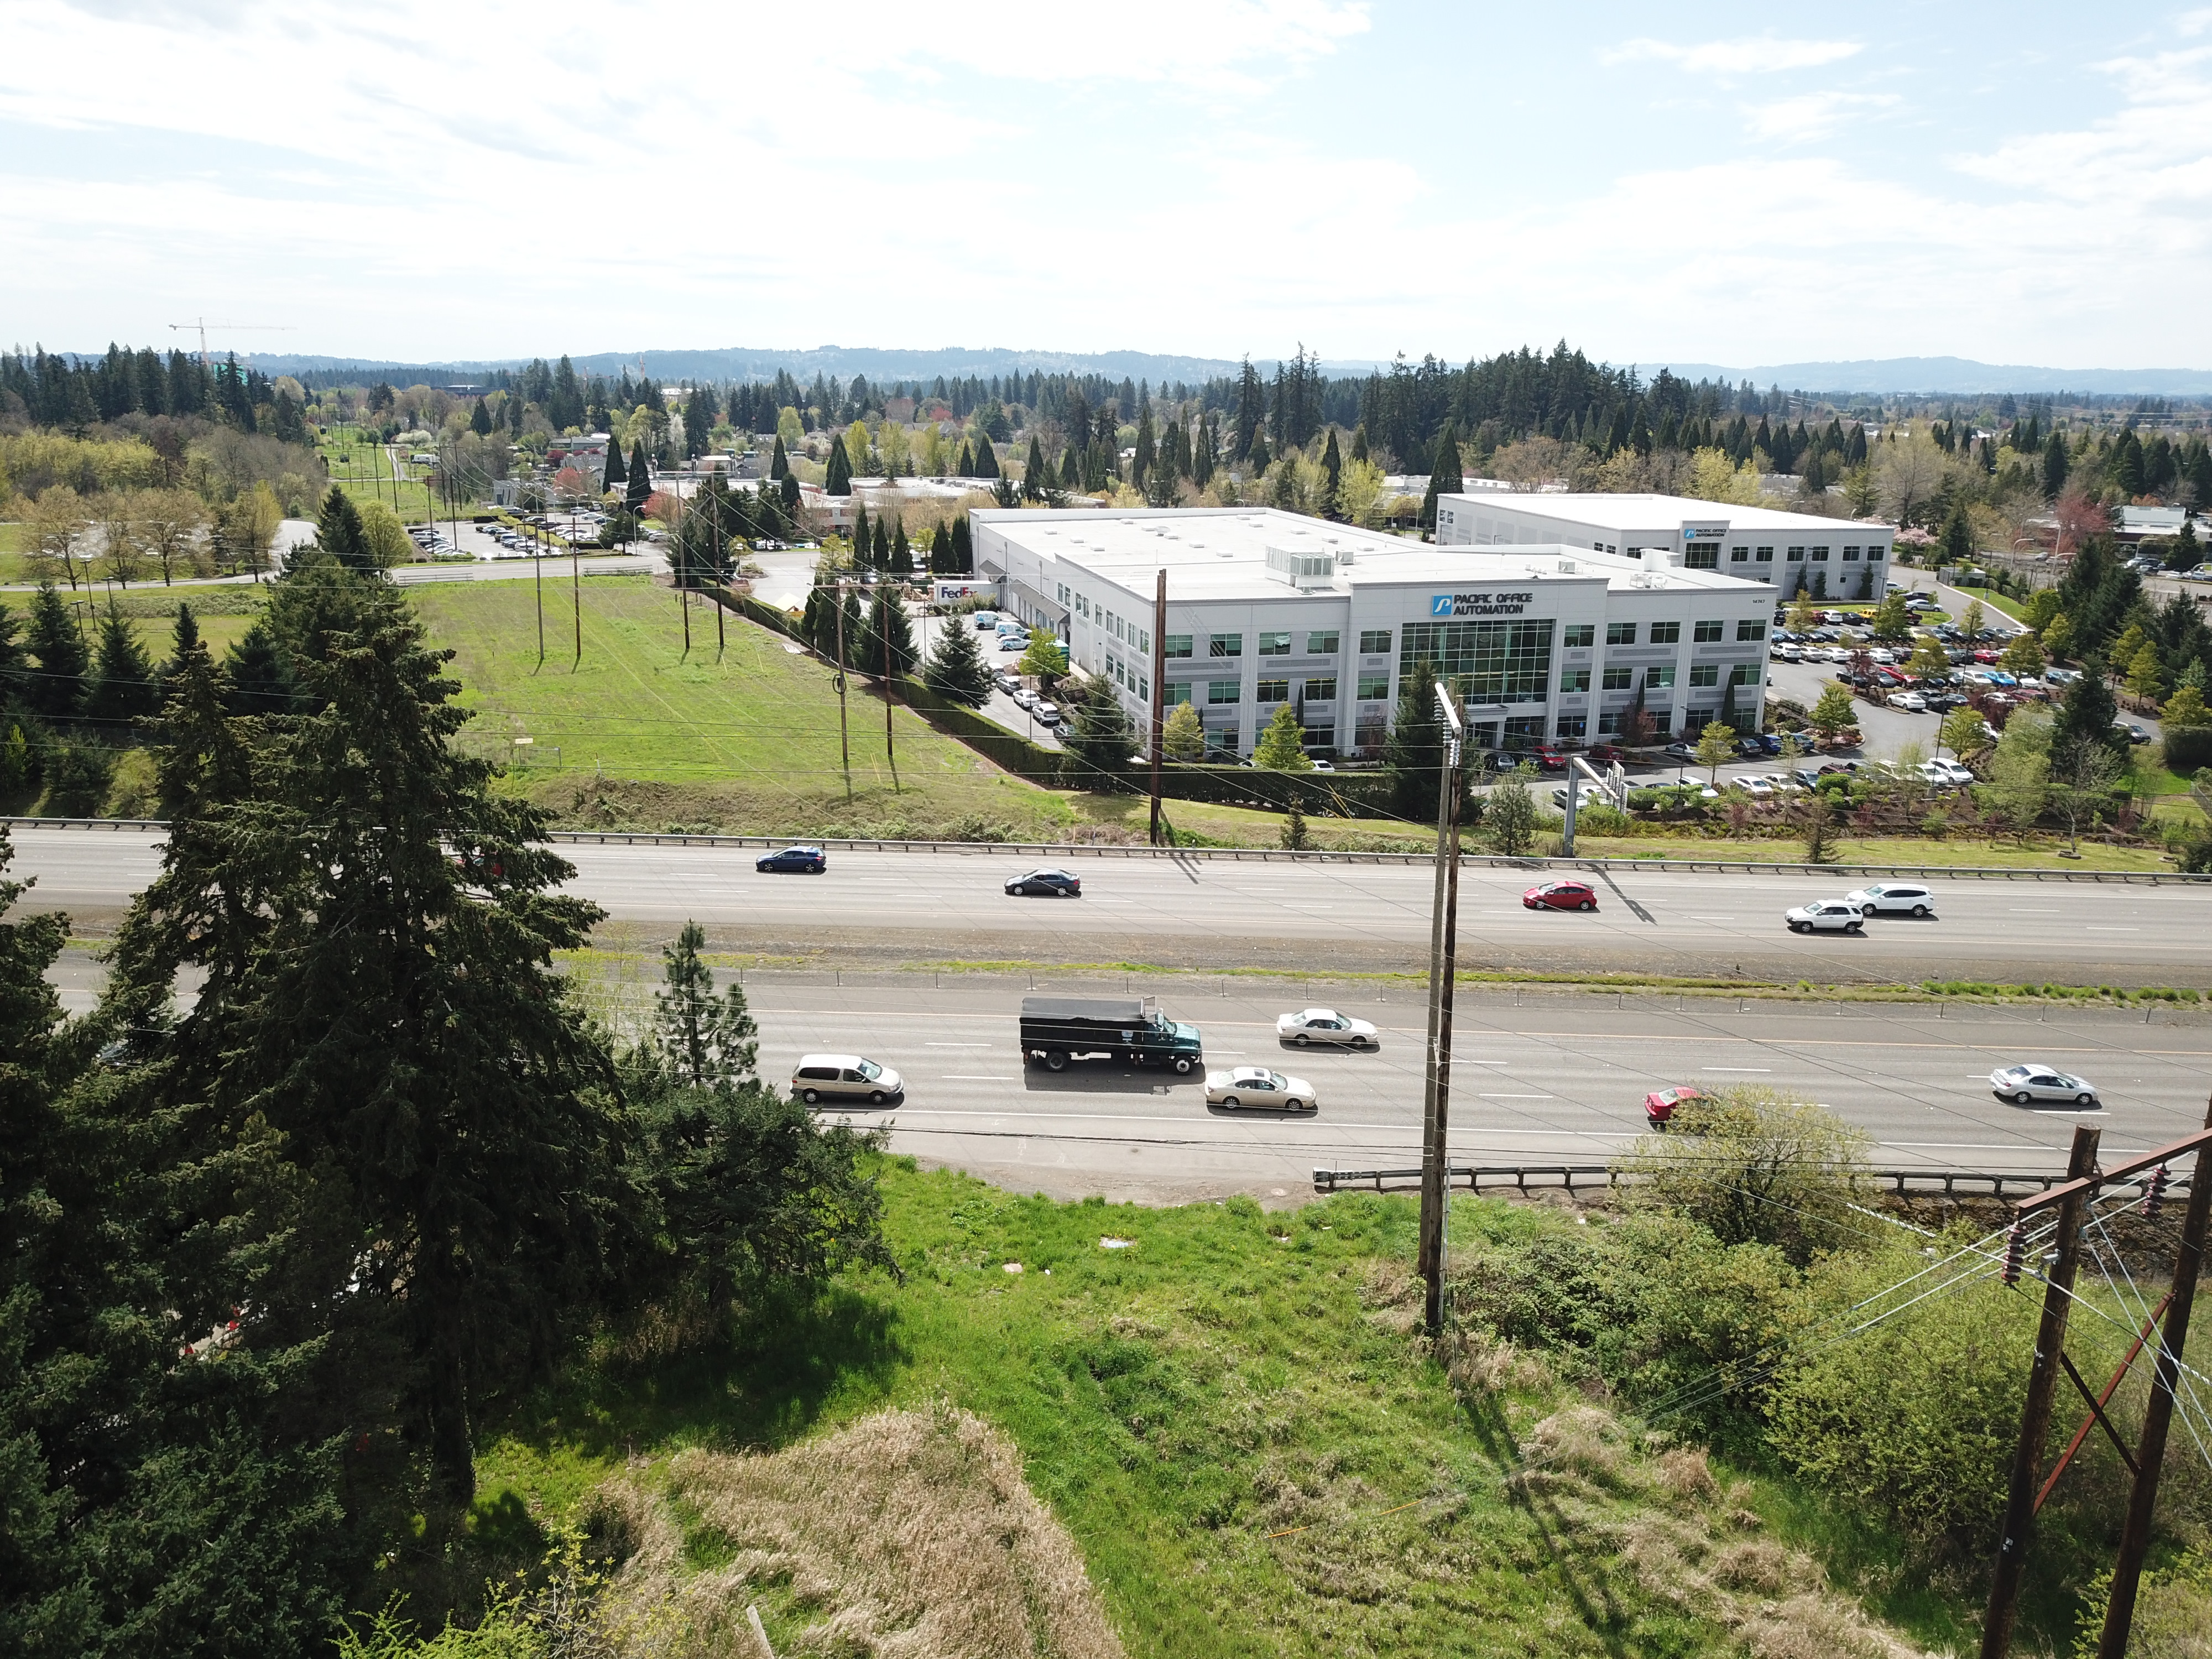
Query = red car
x=1604 y=751
x=1550 y=759
x=1561 y=896
x=1659 y=1105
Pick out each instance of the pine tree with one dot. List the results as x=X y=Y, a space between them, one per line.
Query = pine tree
x=58 y=687
x=1182 y=734
x=964 y=548
x=1359 y=441
x=1071 y=467
x=863 y=548
x=704 y=1041
x=1101 y=738
x=1281 y=747
x=838 y=481
x=880 y=555
x=888 y=625
x=1146 y=456
x=1958 y=539
x=964 y=466
x=986 y=458
x=1328 y=506
x=2056 y=464
x=339 y=533
x=615 y=472
x=123 y=685
x=901 y=564
x=637 y=487
x=1414 y=750
x=1444 y=476
x=1035 y=478
x=480 y=419
x=956 y=669
x=778 y=466
x=257 y=678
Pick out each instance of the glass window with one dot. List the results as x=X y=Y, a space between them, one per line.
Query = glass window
x=1374 y=641
x=1705 y=632
x=1225 y=739
x=1322 y=642
x=1874 y=553
x=1275 y=645
x=1701 y=555
x=1144 y=686
x=1744 y=673
x=1179 y=691
x=1220 y=691
x=1705 y=673
x=1574 y=679
x=1487 y=661
x=1574 y=726
x=1609 y=725
x=1617 y=679
x=1850 y=555
x=1524 y=731
x=1738 y=556
x=1620 y=633
x=1658 y=679
x=1766 y=555
x=1578 y=635
x=1820 y=555
x=1142 y=638
x=1322 y=689
x=1275 y=690
x=1176 y=644
x=1225 y=645
x=1373 y=687
x=1751 y=627
x=1667 y=632
x=1796 y=555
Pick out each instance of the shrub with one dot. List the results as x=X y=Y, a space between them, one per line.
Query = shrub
x=2186 y=748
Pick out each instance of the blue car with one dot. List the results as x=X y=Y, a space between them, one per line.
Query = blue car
x=808 y=860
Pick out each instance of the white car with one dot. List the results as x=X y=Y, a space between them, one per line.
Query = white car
x=2024 y=1085
x=817 y=1078
x=1825 y=916
x=1025 y=698
x=1256 y=1086
x=1910 y=701
x=1893 y=898
x=1312 y=1026
x=1757 y=788
x=1946 y=774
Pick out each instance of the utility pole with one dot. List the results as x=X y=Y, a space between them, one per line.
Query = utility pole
x=2158 y=1417
x=576 y=586
x=1159 y=689
x=844 y=732
x=1443 y=950
x=887 y=600
x=537 y=570
x=2035 y=1414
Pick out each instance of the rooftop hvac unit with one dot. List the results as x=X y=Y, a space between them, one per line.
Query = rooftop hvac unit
x=1302 y=569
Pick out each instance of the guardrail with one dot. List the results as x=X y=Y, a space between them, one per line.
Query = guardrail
x=1277 y=855
x=1903 y=1184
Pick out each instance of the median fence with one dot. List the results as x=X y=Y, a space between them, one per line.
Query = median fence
x=1899 y=1183
x=1035 y=849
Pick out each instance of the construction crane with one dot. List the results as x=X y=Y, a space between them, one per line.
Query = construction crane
x=202 y=326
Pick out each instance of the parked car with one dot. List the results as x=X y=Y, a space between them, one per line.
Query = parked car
x=1023 y=698
x=1312 y=1026
x=1756 y=788
x=985 y=621
x=1047 y=713
x=2025 y=1085
x=1659 y=1105
x=1561 y=896
x=804 y=860
x=2131 y=731
x=1256 y=1086
x=1893 y=898
x=1824 y=916
x=1046 y=884
x=819 y=1077
x=1605 y=751
x=1910 y=701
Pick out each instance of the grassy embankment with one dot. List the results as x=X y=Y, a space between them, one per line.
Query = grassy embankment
x=1235 y=1421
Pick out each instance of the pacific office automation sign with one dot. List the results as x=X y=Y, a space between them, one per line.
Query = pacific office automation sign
x=1704 y=532
x=1480 y=604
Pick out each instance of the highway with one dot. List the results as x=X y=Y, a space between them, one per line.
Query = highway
x=897 y=908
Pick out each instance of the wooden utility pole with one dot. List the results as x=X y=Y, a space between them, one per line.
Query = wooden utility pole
x=2035 y=1414
x=884 y=597
x=844 y=732
x=1159 y=690
x=537 y=570
x=2158 y=1416
x=1443 y=950
x=576 y=587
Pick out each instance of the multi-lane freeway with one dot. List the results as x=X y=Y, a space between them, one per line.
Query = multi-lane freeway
x=905 y=906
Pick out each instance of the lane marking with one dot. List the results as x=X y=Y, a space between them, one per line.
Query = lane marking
x=1739 y=1068
x=975 y=1076
x=1517 y=1097
x=956 y=1045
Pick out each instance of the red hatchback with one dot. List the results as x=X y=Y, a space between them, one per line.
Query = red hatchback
x=1659 y=1105
x=1561 y=896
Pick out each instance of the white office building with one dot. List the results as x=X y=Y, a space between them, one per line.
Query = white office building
x=1546 y=641
x=1829 y=558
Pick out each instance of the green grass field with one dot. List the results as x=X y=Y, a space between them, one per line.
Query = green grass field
x=1236 y=1422
x=642 y=734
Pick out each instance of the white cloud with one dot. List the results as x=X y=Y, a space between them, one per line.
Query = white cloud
x=1752 y=55
x=1815 y=115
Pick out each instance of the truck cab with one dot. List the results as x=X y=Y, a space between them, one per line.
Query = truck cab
x=1129 y=1031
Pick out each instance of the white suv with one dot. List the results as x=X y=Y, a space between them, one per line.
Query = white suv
x=819 y=1077
x=1893 y=898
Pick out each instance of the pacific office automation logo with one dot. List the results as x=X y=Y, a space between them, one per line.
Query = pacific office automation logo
x=1480 y=604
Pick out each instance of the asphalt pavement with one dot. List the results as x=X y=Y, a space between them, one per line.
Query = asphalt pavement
x=1313 y=914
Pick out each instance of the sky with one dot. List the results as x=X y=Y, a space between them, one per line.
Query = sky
x=2029 y=184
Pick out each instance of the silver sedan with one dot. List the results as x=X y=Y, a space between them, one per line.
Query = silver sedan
x=1256 y=1086
x=2026 y=1085
x=1311 y=1025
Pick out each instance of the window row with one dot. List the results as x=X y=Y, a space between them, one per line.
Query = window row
x=1320 y=642
x=1670 y=633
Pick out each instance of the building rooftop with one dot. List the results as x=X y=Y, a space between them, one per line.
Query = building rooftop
x=1629 y=513
x=1252 y=554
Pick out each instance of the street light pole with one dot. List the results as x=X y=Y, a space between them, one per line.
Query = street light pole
x=1159 y=689
x=1444 y=949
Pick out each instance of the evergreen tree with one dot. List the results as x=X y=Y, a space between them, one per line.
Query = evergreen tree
x=2127 y=466
x=1445 y=475
x=1146 y=456
x=58 y=685
x=2086 y=712
x=480 y=419
x=704 y=1041
x=1329 y=503
x=888 y=624
x=956 y=669
x=637 y=487
x=864 y=548
x=880 y=555
x=964 y=548
x=124 y=686
x=615 y=472
x=1035 y=478
x=902 y=560
x=14 y=659
x=1071 y=467
x=1414 y=750
x=839 y=479
x=790 y=495
x=1281 y=747
x=1359 y=441
x=1958 y=537
x=2056 y=464
x=256 y=679
x=340 y=533
x=1101 y=738
x=964 y=466
x=778 y=466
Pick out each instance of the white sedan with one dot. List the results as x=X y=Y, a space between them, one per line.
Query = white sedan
x=1311 y=1025
x=1256 y=1086
x=2024 y=1085
x=1825 y=916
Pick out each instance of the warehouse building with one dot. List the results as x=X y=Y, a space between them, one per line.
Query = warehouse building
x=1828 y=558
x=1546 y=642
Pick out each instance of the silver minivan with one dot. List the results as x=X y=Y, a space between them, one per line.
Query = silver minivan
x=819 y=1077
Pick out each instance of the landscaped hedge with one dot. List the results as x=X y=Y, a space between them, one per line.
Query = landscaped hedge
x=2187 y=747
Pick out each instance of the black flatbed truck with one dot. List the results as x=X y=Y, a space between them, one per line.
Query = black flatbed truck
x=1127 y=1029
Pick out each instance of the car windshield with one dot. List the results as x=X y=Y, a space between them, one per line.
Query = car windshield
x=1272 y=1079
x=870 y=1070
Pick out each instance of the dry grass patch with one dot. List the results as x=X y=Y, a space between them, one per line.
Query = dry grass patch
x=909 y=1534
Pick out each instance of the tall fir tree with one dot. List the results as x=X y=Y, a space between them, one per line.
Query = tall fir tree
x=340 y=533
x=637 y=488
x=124 y=686
x=480 y=419
x=838 y=481
x=1035 y=479
x=58 y=687
x=1444 y=476
x=704 y=1040
x=779 y=466
x=956 y=669
x=615 y=472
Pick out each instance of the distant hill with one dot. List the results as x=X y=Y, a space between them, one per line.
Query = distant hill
x=1874 y=375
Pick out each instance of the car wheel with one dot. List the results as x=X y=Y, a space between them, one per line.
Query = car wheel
x=2023 y=1098
x=876 y=1096
x=1800 y=927
x=1854 y=926
x=1587 y=904
x=1055 y=1060
x=1013 y=891
x=1303 y=1040
x=1865 y=909
x=809 y=1096
x=1182 y=1068
x=2085 y=1102
x=1920 y=910
x=1229 y=1103
x=1294 y=1105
